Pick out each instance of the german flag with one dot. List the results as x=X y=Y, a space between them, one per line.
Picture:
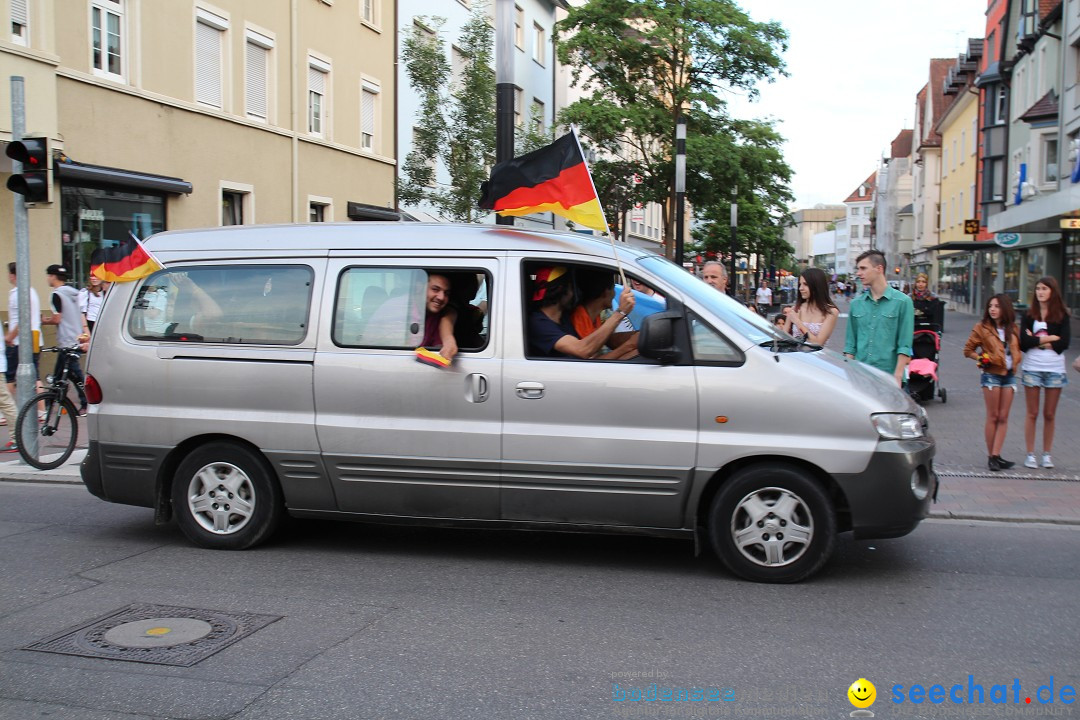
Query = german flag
x=554 y=179
x=126 y=262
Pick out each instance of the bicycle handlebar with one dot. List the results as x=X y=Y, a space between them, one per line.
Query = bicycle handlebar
x=73 y=349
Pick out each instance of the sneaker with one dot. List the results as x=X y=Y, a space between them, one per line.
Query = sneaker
x=994 y=463
x=82 y=412
x=10 y=447
x=1005 y=464
x=1048 y=462
x=1031 y=462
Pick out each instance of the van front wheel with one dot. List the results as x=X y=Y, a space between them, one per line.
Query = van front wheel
x=224 y=497
x=772 y=523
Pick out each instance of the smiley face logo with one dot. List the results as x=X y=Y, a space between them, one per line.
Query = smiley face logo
x=862 y=693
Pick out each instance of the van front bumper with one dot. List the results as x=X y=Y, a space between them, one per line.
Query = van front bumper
x=893 y=494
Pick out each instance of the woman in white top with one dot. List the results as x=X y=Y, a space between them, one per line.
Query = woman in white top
x=91 y=298
x=814 y=315
x=1044 y=337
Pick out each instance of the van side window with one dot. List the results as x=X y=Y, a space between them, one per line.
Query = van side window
x=236 y=304
x=710 y=346
x=386 y=307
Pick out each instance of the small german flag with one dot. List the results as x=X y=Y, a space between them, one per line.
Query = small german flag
x=123 y=263
x=554 y=179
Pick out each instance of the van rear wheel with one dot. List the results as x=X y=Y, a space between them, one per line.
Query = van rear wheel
x=772 y=523
x=225 y=497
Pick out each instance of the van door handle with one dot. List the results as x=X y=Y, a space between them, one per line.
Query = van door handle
x=476 y=387
x=530 y=390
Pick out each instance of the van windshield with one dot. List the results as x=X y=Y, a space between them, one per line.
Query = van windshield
x=734 y=314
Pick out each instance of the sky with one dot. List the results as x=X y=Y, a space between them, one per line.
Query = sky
x=854 y=69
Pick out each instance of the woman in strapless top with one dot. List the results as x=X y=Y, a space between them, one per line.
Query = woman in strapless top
x=814 y=315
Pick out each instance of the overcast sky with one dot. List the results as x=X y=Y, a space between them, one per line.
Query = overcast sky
x=854 y=67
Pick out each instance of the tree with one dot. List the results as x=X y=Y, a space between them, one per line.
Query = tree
x=456 y=124
x=648 y=63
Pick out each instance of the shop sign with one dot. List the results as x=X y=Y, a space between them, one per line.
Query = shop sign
x=1007 y=239
x=1070 y=223
x=88 y=214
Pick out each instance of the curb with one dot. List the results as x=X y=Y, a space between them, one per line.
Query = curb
x=950 y=515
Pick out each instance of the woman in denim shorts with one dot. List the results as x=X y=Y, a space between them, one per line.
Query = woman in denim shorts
x=1044 y=337
x=994 y=344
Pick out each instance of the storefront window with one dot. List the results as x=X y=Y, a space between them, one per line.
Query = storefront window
x=954 y=278
x=93 y=218
x=1010 y=284
x=1072 y=274
x=987 y=276
x=1035 y=268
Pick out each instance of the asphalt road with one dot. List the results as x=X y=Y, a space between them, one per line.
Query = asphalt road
x=391 y=622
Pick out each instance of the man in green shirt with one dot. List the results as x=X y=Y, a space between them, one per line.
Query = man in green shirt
x=881 y=323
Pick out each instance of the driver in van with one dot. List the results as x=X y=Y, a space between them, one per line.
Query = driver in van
x=551 y=330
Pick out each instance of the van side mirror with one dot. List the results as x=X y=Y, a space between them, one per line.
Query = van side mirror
x=657 y=338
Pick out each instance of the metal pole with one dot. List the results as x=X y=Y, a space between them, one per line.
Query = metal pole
x=680 y=188
x=25 y=378
x=734 y=282
x=504 y=87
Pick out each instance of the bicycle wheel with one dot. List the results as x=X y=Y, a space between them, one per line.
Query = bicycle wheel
x=49 y=443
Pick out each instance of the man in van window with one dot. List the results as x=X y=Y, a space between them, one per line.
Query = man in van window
x=881 y=322
x=69 y=321
x=439 y=316
x=551 y=331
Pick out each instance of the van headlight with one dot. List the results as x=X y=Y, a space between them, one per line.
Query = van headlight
x=897 y=426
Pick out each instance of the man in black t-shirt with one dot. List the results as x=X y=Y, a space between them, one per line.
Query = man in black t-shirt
x=551 y=333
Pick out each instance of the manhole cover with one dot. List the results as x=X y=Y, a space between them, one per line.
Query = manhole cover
x=155 y=634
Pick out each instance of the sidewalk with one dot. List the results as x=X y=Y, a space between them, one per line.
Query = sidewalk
x=968 y=489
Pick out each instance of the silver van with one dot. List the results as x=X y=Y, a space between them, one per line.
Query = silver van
x=272 y=369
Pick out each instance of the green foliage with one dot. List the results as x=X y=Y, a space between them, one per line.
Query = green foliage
x=645 y=64
x=456 y=124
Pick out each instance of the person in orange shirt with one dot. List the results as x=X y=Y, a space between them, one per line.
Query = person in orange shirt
x=596 y=290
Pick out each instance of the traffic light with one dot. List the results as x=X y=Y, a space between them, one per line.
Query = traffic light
x=897 y=269
x=33 y=182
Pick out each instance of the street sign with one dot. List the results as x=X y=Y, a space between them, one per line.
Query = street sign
x=1070 y=223
x=638 y=213
x=1007 y=239
x=971 y=227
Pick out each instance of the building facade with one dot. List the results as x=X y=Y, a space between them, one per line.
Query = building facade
x=191 y=114
x=860 y=210
x=535 y=73
x=893 y=193
x=1028 y=226
x=930 y=103
x=805 y=224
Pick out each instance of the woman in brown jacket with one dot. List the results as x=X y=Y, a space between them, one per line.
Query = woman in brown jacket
x=995 y=345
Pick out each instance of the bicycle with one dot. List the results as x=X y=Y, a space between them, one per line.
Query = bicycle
x=47 y=440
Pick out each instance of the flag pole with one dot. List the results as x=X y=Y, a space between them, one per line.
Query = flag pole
x=607 y=228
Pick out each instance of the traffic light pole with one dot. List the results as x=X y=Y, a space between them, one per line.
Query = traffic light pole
x=504 y=87
x=25 y=379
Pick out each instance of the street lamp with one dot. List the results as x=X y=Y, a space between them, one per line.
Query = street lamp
x=680 y=187
x=734 y=223
x=504 y=87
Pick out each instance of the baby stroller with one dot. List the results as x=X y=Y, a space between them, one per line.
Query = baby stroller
x=923 y=368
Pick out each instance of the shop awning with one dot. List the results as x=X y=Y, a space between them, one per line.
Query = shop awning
x=965 y=245
x=80 y=173
x=363 y=211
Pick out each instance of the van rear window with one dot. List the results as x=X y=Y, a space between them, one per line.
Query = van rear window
x=236 y=304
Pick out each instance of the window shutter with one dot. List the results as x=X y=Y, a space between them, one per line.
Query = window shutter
x=19 y=12
x=367 y=119
x=207 y=65
x=256 y=79
x=316 y=81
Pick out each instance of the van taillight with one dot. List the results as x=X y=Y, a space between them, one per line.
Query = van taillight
x=93 y=390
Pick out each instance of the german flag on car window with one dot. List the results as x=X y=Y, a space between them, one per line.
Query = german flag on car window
x=124 y=262
x=554 y=179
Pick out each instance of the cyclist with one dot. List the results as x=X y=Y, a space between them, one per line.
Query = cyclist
x=69 y=320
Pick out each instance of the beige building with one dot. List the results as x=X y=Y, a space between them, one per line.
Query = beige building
x=808 y=223
x=187 y=113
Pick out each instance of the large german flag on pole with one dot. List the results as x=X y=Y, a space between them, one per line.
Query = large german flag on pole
x=554 y=179
x=123 y=263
